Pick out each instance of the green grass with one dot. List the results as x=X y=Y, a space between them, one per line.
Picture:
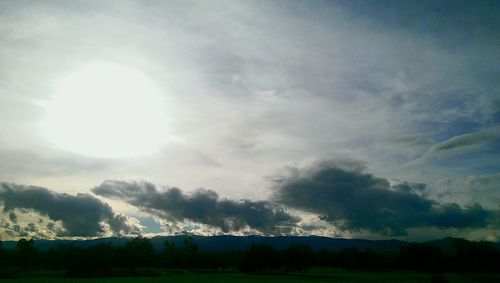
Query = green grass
x=319 y=276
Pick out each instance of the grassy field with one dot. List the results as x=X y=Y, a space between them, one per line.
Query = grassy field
x=319 y=276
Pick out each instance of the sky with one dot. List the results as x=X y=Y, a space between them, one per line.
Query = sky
x=354 y=119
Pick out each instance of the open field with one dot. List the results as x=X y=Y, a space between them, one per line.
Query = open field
x=340 y=276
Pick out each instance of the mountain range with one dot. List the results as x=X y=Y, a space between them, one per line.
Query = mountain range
x=228 y=242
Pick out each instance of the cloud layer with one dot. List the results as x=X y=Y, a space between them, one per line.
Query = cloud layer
x=202 y=206
x=80 y=215
x=341 y=193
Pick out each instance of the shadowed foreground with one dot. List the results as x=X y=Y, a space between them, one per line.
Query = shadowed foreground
x=316 y=275
x=136 y=260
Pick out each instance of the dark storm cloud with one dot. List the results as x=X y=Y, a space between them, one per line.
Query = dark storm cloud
x=31 y=227
x=51 y=225
x=4 y=223
x=343 y=194
x=13 y=217
x=80 y=215
x=202 y=206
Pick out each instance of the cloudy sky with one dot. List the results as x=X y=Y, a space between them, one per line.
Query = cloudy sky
x=338 y=118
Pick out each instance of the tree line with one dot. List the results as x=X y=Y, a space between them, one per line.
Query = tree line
x=138 y=254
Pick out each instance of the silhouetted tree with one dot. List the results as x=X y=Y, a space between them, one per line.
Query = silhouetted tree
x=189 y=251
x=220 y=260
x=421 y=257
x=137 y=252
x=349 y=258
x=2 y=254
x=438 y=278
x=26 y=253
x=475 y=256
x=298 y=257
x=96 y=260
x=171 y=255
x=370 y=260
x=326 y=258
x=261 y=258
x=63 y=257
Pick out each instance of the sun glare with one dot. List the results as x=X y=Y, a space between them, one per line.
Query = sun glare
x=106 y=110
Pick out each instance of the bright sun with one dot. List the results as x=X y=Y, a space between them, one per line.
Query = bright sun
x=106 y=110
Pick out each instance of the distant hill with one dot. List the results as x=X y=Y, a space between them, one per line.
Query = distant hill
x=447 y=245
x=228 y=243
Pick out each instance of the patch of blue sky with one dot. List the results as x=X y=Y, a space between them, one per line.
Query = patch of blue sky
x=150 y=225
x=455 y=128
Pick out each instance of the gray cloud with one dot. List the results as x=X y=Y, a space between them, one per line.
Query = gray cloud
x=202 y=206
x=80 y=215
x=34 y=163
x=353 y=200
x=411 y=140
x=484 y=189
x=477 y=147
x=493 y=180
x=464 y=141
